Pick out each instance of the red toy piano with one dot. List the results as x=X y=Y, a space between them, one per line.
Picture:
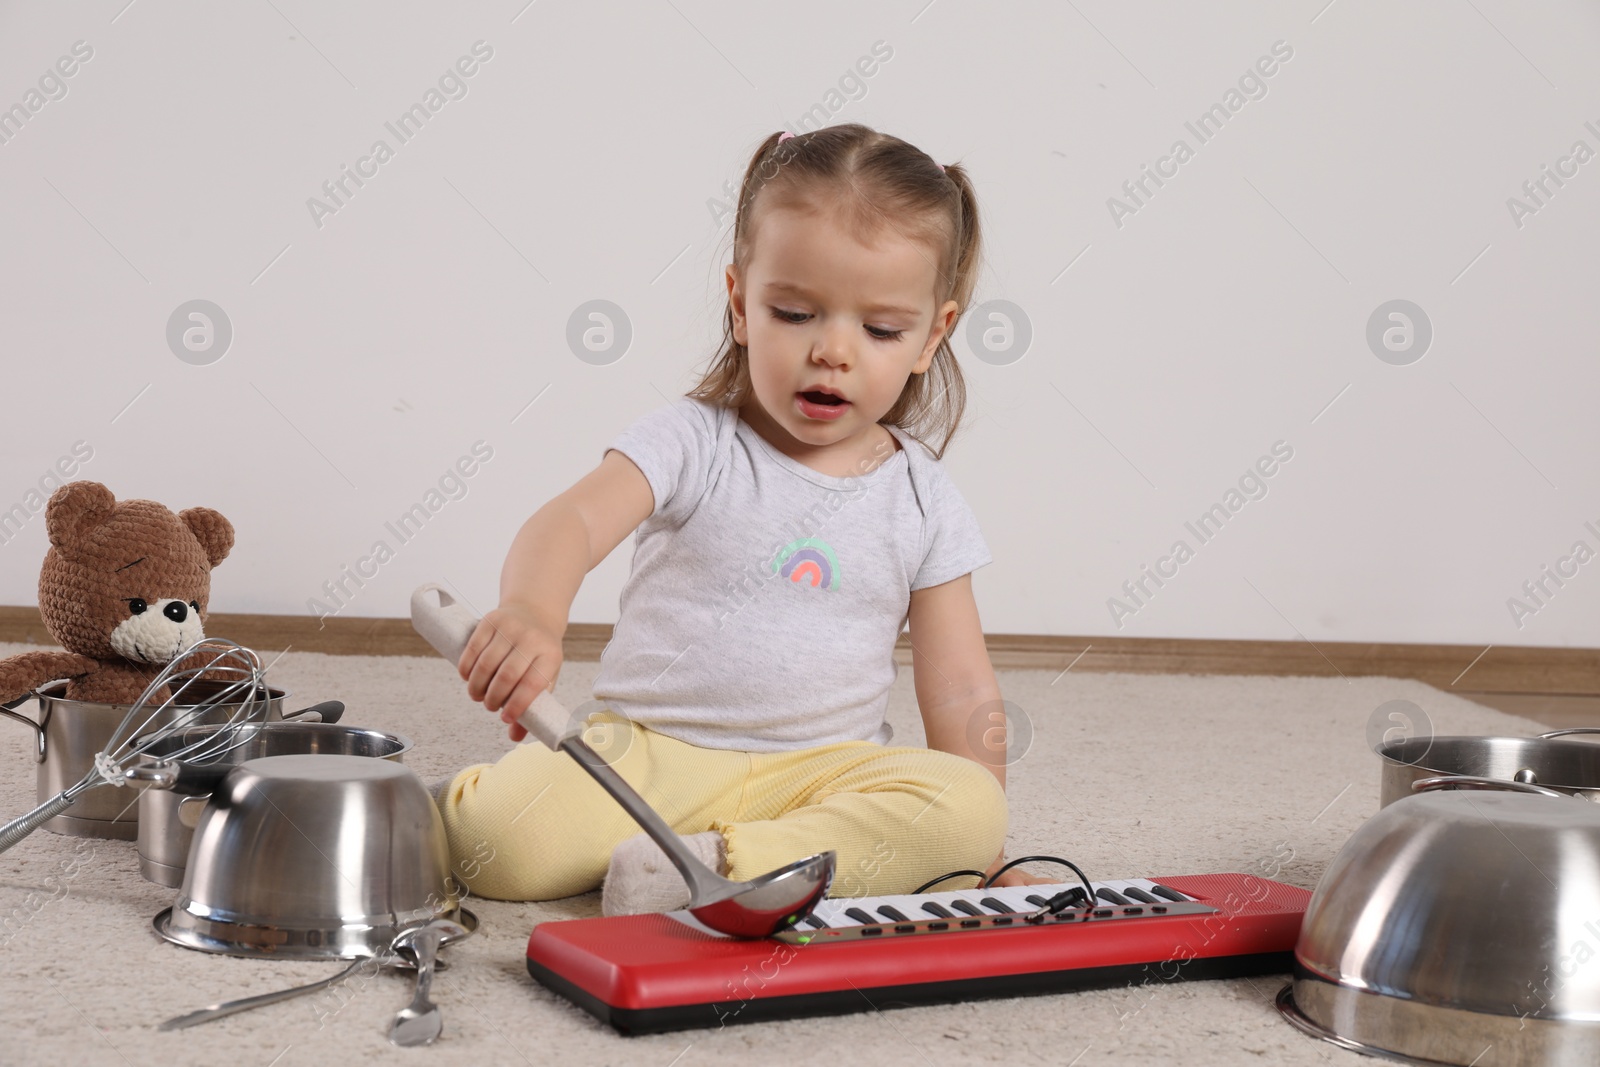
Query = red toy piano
x=651 y=973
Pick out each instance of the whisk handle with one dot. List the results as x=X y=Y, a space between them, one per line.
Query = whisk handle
x=21 y=827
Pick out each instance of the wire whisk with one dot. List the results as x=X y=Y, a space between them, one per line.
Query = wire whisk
x=232 y=677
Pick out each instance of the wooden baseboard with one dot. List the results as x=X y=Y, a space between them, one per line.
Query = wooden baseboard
x=1504 y=670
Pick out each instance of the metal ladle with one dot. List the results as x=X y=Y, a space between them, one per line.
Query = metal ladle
x=757 y=908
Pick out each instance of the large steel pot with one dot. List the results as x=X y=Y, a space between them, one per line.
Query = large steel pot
x=1571 y=767
x=1458 y=928
x=68 y=733
x=167 y=817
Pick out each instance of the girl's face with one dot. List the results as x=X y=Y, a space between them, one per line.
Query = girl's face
x=816 y=309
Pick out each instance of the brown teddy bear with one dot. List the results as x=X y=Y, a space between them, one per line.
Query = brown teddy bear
x=124 y=589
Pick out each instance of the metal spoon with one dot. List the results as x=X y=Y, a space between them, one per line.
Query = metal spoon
x=390 y=957
x=757 y=908
x=419 y=1022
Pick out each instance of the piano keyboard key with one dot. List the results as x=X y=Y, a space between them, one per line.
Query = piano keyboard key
x=1110 y=896
x=952 y=904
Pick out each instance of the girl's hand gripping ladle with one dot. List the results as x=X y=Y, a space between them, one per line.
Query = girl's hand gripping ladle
x=757 y=908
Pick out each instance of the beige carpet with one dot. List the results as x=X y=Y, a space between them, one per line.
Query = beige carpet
x=1128 y=775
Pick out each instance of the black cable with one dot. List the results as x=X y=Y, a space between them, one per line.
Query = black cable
x=953 y=874
x=1056 y=903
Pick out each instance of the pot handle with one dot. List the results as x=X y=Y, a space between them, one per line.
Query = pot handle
x=328 y=711
x=38 y=728
x=1573 y=730
x=163 y=775
x=189 y=809
x=1463 y=781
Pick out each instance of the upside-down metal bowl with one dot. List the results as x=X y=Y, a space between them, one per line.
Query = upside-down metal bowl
x=1458 y=928
x=166 y=816
x=312 y=857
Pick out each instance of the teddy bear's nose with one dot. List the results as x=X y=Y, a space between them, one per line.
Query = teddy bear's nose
x=177 y=611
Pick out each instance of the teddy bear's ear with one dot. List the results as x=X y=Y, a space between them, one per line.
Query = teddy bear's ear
x=212 y=530
x=74 y=511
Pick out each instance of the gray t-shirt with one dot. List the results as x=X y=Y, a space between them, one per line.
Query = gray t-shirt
x=765 y=597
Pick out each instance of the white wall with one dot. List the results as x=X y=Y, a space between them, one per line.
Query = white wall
x=1226 y=314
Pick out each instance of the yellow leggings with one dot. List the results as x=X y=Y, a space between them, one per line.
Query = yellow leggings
x=536 y=826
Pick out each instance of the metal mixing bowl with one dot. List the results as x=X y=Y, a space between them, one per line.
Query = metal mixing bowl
x=317 y=856
x=1458 y=928
x=167 y=817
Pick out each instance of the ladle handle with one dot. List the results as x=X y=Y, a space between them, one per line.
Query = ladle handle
x=702 y=883
x=1573 y=730
x=448 y=626
x=443 y=623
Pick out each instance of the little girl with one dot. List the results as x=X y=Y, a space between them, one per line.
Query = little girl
x=789 y=522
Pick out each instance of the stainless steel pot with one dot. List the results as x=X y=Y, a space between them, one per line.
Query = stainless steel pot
x=312 y=857
x=1459 y=928
x=167 y=817
x=1571 y=767
x=68 y=733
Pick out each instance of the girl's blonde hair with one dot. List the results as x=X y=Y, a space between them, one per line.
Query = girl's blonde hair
x=877 y=180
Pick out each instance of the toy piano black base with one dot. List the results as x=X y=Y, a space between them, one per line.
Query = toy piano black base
x=644 y=974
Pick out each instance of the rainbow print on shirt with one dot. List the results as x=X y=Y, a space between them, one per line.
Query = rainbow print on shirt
x=809 y=561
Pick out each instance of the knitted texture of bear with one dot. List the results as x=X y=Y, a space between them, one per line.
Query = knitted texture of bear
x=124 y=588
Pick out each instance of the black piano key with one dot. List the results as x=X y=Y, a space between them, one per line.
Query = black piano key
x=1110 y=896
x=933 y=907
x=998 y=905
x=1138 y=894
x=859 y=916
x=813 y=921
x=1170 y=894
x=1037 y=901
x=962 y=905
x=888 y=911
